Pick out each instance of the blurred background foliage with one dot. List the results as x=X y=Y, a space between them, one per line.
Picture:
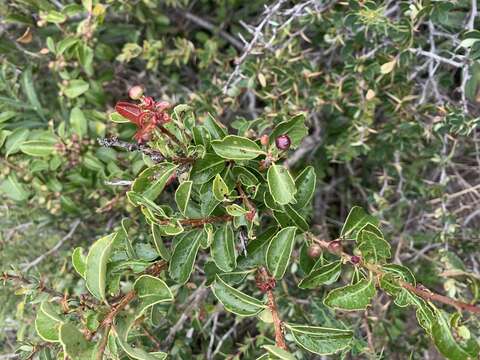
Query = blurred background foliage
x=391 y=89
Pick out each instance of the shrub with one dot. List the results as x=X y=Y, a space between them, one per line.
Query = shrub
x=332 y=105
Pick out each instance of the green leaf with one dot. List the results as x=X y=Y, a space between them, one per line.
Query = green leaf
x=305 y=183
x=324 y=275
x=295 y=128
x=75 y=88
x=235 y=210
x=40 y=148
x=296 y=218
x=220 y=189
x=78 y=122
x=278 y=352
x=151 y=182
x=55 y=17
x=47 y=322
x=205 y=169
x=150 y=291
x=256 y=249
x=12 y=188
x=74 y=343
x=352 y=297
x=446 y=344
x=159 y=245
x=183 y=257
x=281 y=185
x=223 y=248
x=374 y=249
x=216 y=129
x=14 y=140
x=321 y=340
x=79 y=261
x=29 y=89
x=357 y=218
x=96 y=271
x=279 y=251
x=122 y=328
x=236 y=301
x=235 y=147
x=182 y=196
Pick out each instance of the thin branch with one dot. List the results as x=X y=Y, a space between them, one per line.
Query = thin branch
x=265 y=281
x=155 y=155
x=109 y=319
x=257 y=33
x=39 y=259
x=422 y=292
x=201 y=221
x=213 y=28
x=437 y=57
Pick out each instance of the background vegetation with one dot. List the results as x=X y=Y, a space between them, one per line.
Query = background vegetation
x=391 y=94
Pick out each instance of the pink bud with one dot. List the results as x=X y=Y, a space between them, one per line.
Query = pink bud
x=135 y=92
x=283 y=142
x=354 y=259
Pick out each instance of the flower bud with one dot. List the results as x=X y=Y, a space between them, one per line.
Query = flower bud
x=135 y=92
x=314 y=251
x=354 y=259
x=283 y=142
x=335 y=246
x=264 y=139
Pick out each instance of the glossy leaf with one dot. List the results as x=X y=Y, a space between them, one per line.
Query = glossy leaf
x=151 y=182
x=75 y=88
x=162 y=250
x=352 y=297
x=235 y=210
x=220 y=189
x=446 y=344
x=205 y=169
x=122 y=328
x=374 y=249
x=357 y=218
x=279 y=251
x=74 y=343
x=96 y=270
x=223 y=248
x=281 y=184
x=234 y=147
x=236 y=301
x=182 y=196
x=321 y=340
x=324 y=275
x=79 y=261
x=39 y=148
x=183 y=257
x=278 y=353
x=305 y=183
x=150 y=291
x=47 y=322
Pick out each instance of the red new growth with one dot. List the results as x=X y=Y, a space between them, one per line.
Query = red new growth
x=146 y=115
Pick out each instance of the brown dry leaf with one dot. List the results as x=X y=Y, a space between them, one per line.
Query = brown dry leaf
x=26 y=38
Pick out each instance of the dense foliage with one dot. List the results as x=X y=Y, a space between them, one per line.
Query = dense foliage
x=220 y=215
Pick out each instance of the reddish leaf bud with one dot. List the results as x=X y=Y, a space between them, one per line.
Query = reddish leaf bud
x=314 y=251
x=335 y=246
x=283 y=142
x=135 y=92
x=354 y=259
x=250 y=215
x=264 y=139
